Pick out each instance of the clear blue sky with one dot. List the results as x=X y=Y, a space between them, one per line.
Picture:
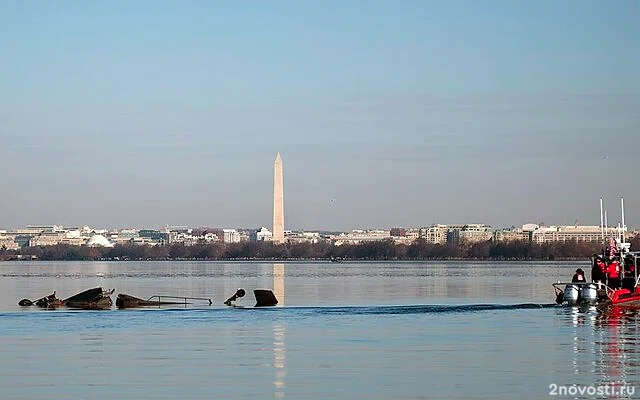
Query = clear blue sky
x=386 y=113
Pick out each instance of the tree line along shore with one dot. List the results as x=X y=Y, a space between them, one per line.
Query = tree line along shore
x=384 y=250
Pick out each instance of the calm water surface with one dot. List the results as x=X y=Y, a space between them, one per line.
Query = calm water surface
x=454 y=330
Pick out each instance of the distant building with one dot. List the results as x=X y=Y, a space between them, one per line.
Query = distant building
x=575 y=233
x=38 y=229
x=231 y=236
x=74 y=241
x=436 y=234
x=99 y=241
x=8 y=242
x=245 y=235
x=124 y=236
x=211 y=237
x=530 y=227
x=511 y=234
x=46 y=239
x=263 y=235
x=398 y=232
x=473 y=233
x=152 y=235
x=413 y=234
x=469 y=233
x=358 y=236
x=303 y=237
x=22 y=240
x=141 y=241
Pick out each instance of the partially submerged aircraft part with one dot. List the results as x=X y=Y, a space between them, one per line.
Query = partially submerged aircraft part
x=265 y=298
x=25 y=303
x=50 y=301
x=238 y=294
x=91 y=299
x=127 y=301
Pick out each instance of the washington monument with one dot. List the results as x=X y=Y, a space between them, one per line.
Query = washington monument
x=278 y=202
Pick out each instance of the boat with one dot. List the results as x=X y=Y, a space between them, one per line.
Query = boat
x=617 y=260
x=91 y=299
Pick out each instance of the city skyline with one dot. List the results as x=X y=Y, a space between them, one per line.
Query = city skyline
x=609 y=229
x=388 y=114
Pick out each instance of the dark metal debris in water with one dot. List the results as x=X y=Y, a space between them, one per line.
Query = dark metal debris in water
x=128 y=301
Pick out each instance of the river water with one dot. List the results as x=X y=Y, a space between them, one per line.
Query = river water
x=430 y=330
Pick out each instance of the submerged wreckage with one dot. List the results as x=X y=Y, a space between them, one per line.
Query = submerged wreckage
x=100 y=299
x=90 y=299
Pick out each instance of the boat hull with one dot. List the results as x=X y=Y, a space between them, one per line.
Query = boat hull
x=624 y=297
x=575 y=294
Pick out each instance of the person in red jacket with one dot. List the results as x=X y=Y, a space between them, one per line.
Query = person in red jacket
x=613 y=273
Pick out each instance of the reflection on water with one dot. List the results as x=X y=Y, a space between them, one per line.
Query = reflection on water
x=279 y=348
x=605 y=344
x=278 y=283
x=279 y=360
x=617 y=345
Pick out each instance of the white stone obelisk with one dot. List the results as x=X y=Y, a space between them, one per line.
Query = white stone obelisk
x=278 y=202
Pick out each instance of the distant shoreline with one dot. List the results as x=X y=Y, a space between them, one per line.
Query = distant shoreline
x=378 y=251
x=308 y=260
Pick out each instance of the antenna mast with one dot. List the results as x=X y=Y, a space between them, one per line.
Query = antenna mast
x=601 y=221
x=624 y=227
